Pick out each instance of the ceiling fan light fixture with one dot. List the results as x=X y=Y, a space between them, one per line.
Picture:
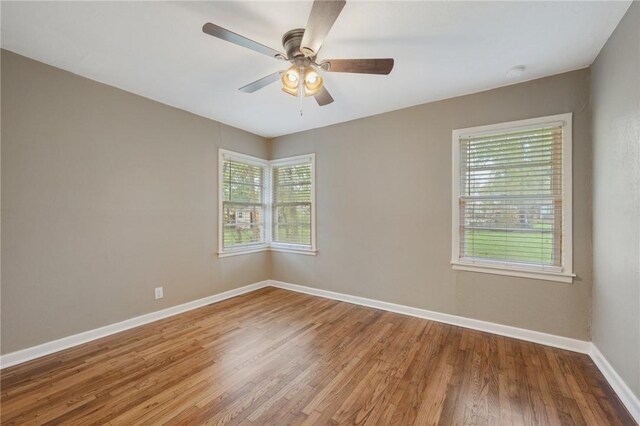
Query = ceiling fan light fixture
x=312 y=82
x=291 y=80
x=307 y=76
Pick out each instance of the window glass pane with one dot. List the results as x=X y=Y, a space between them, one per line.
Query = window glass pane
x=292 y=224
x=245 y=234
x=521 y=231
x=242 y=182
x=292 y=193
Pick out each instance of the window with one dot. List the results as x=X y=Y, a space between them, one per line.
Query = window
x=512 y=199
x=292 y=208
x=243 y=195
x=266 y=205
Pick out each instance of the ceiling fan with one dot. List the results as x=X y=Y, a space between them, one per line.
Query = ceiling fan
x=302 y=45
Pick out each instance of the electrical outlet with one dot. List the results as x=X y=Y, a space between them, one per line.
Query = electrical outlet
x=159 y=291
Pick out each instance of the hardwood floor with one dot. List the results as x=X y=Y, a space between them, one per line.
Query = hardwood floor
x=278 y=357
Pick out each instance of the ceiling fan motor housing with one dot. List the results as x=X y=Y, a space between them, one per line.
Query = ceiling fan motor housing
x=291 y=41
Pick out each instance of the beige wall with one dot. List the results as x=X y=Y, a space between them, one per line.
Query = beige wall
x=384 y=210
x=616 y=199
x=106 y=195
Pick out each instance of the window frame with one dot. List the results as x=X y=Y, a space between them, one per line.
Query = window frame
x=564 y=273
x=267 y=198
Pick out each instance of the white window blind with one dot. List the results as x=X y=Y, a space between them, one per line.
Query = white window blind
x=511 y=197
x=292 y=203
x=243 y=203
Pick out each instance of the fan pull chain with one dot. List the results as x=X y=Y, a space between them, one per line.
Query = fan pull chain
x=301 y=90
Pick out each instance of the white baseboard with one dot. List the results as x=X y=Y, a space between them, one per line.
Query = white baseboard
x=490 y=327
x=626 y=395
x=34 y=352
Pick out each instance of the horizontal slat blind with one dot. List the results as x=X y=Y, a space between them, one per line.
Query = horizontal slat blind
x=511 y=196
x=242 y=204
x=292 y=204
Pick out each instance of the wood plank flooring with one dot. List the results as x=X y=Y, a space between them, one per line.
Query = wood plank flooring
x=278 y=357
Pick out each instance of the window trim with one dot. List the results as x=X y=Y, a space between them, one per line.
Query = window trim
x=565 y=272
x=267 y=165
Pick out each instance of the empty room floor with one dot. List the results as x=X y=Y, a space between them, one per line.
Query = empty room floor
x=278 y=357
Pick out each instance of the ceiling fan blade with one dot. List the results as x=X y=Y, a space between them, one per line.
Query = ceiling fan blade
x=362 y=66
x=230 y=36
x=263 y=82
x=323 y=97
x=323 y=14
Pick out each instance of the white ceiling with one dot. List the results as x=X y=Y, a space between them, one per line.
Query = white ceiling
x=441 y=50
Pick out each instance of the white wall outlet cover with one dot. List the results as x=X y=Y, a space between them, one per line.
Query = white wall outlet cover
x=159 y=292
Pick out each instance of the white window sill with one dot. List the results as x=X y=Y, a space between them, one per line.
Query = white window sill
x=239 y=252
x=562 y=277
x=307 y=252
x=230 y=253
